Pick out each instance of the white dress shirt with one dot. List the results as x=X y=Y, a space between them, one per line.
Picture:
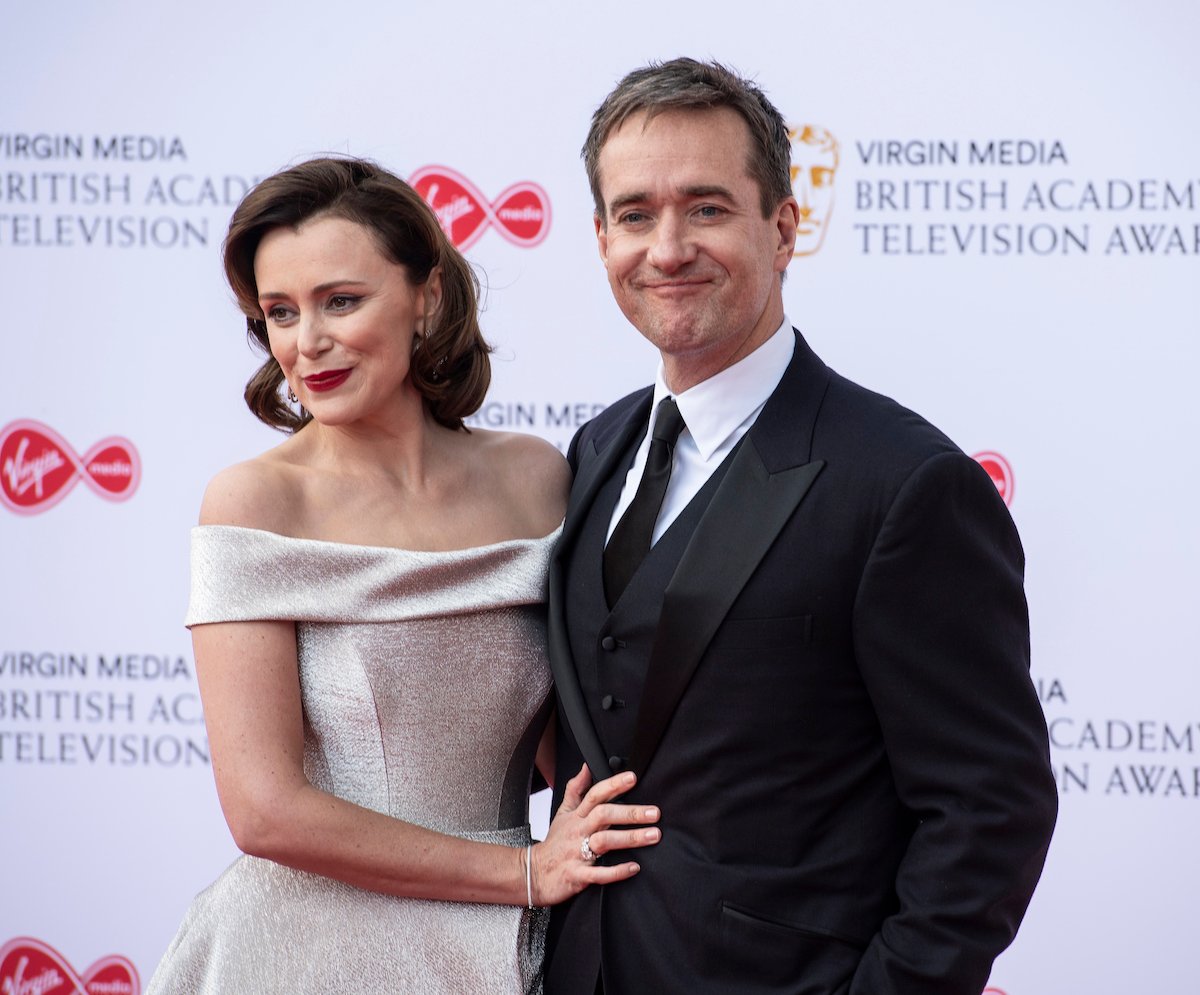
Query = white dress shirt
x=717 y=412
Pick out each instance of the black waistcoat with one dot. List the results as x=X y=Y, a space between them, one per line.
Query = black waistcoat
x=611 y=648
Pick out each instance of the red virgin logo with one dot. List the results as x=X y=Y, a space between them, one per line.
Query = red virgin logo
x=521 y=213
x=31 y=967
x=38 y=469
x=999 y=469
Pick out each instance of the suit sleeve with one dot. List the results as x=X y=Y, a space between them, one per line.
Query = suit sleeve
x=573 y=448
x=941 y=637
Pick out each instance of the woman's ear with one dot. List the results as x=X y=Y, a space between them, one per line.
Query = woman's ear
x=430 y=299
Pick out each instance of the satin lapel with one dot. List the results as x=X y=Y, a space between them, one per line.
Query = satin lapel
x=597 y=463
x=770 y=474
x=746 y=515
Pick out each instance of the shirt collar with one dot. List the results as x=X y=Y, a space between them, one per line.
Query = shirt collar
x=714 y=408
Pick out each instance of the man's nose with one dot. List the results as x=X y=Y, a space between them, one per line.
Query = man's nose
x=672 y=245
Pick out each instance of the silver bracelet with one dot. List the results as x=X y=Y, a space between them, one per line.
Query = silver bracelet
x=529 y=874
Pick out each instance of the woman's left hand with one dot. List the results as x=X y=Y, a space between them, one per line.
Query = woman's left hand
x=560 y=865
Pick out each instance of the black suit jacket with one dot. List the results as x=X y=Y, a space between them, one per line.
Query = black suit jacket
x=837 y=720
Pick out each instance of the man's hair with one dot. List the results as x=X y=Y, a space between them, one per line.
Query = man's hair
x=686 y=84
x=451 y=369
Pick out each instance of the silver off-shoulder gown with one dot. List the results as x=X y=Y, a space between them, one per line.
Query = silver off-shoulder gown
x=425 y=685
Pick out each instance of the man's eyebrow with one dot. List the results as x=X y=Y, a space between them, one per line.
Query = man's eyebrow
x=618 y=203
x=702 y=190
x=709 y=190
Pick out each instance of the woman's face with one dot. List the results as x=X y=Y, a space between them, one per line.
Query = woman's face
x=341 y=319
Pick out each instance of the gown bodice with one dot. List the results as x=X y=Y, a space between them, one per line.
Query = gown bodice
x=425 y=688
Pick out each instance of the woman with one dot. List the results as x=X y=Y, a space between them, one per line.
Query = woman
x=367 y=627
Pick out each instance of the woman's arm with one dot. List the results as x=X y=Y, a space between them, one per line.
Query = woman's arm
x=251 y=691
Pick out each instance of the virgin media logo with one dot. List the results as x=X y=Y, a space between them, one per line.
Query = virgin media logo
x=521 y=213
x=31 y=967
x=999 y=469
x=38 y=469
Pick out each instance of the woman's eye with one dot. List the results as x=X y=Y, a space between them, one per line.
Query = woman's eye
x=277 y=314
x=340 y=302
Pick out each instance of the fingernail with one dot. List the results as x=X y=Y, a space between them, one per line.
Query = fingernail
x=627 y=777
x=633 y=869
x=651 y=813
x=653 y=834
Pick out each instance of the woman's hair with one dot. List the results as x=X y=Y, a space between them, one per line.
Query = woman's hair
x=450 y=368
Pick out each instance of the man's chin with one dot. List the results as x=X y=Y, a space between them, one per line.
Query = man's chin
x=680 y=337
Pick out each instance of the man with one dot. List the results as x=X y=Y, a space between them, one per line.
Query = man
x=813 y=651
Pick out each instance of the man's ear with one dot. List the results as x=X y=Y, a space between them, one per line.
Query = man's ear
x=787 y=220
x=601 y=237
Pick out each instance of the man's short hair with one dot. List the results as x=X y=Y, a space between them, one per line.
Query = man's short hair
x=686 y=84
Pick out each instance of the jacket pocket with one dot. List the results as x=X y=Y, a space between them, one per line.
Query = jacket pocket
x=786 y=631
x=761 y=954
x=760 y=920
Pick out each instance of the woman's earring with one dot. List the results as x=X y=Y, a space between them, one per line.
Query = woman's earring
x=292 y=395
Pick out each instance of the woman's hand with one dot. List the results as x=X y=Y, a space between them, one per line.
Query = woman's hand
x=559 y=867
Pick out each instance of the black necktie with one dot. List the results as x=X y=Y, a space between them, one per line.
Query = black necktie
x=630 y=540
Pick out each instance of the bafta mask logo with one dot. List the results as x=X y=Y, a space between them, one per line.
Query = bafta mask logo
x=814 y=164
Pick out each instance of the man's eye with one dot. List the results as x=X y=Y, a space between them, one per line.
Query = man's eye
x=632 y=218
x=709 y=211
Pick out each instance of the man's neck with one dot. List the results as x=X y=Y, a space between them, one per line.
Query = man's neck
x=683 y=371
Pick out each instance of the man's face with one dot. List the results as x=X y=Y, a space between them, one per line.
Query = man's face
x=814 y=166
x=692 y=262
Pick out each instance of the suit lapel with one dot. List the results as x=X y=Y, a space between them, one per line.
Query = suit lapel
x=768 y=478
x=598 y=461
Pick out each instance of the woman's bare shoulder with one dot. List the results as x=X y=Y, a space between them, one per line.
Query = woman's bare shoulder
x=529 y=452
x=260 y=493
x=529 y=470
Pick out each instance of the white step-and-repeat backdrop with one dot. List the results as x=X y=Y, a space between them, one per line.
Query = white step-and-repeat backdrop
x=1005 y=236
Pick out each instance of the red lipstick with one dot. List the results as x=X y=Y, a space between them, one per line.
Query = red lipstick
x=327 y=380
